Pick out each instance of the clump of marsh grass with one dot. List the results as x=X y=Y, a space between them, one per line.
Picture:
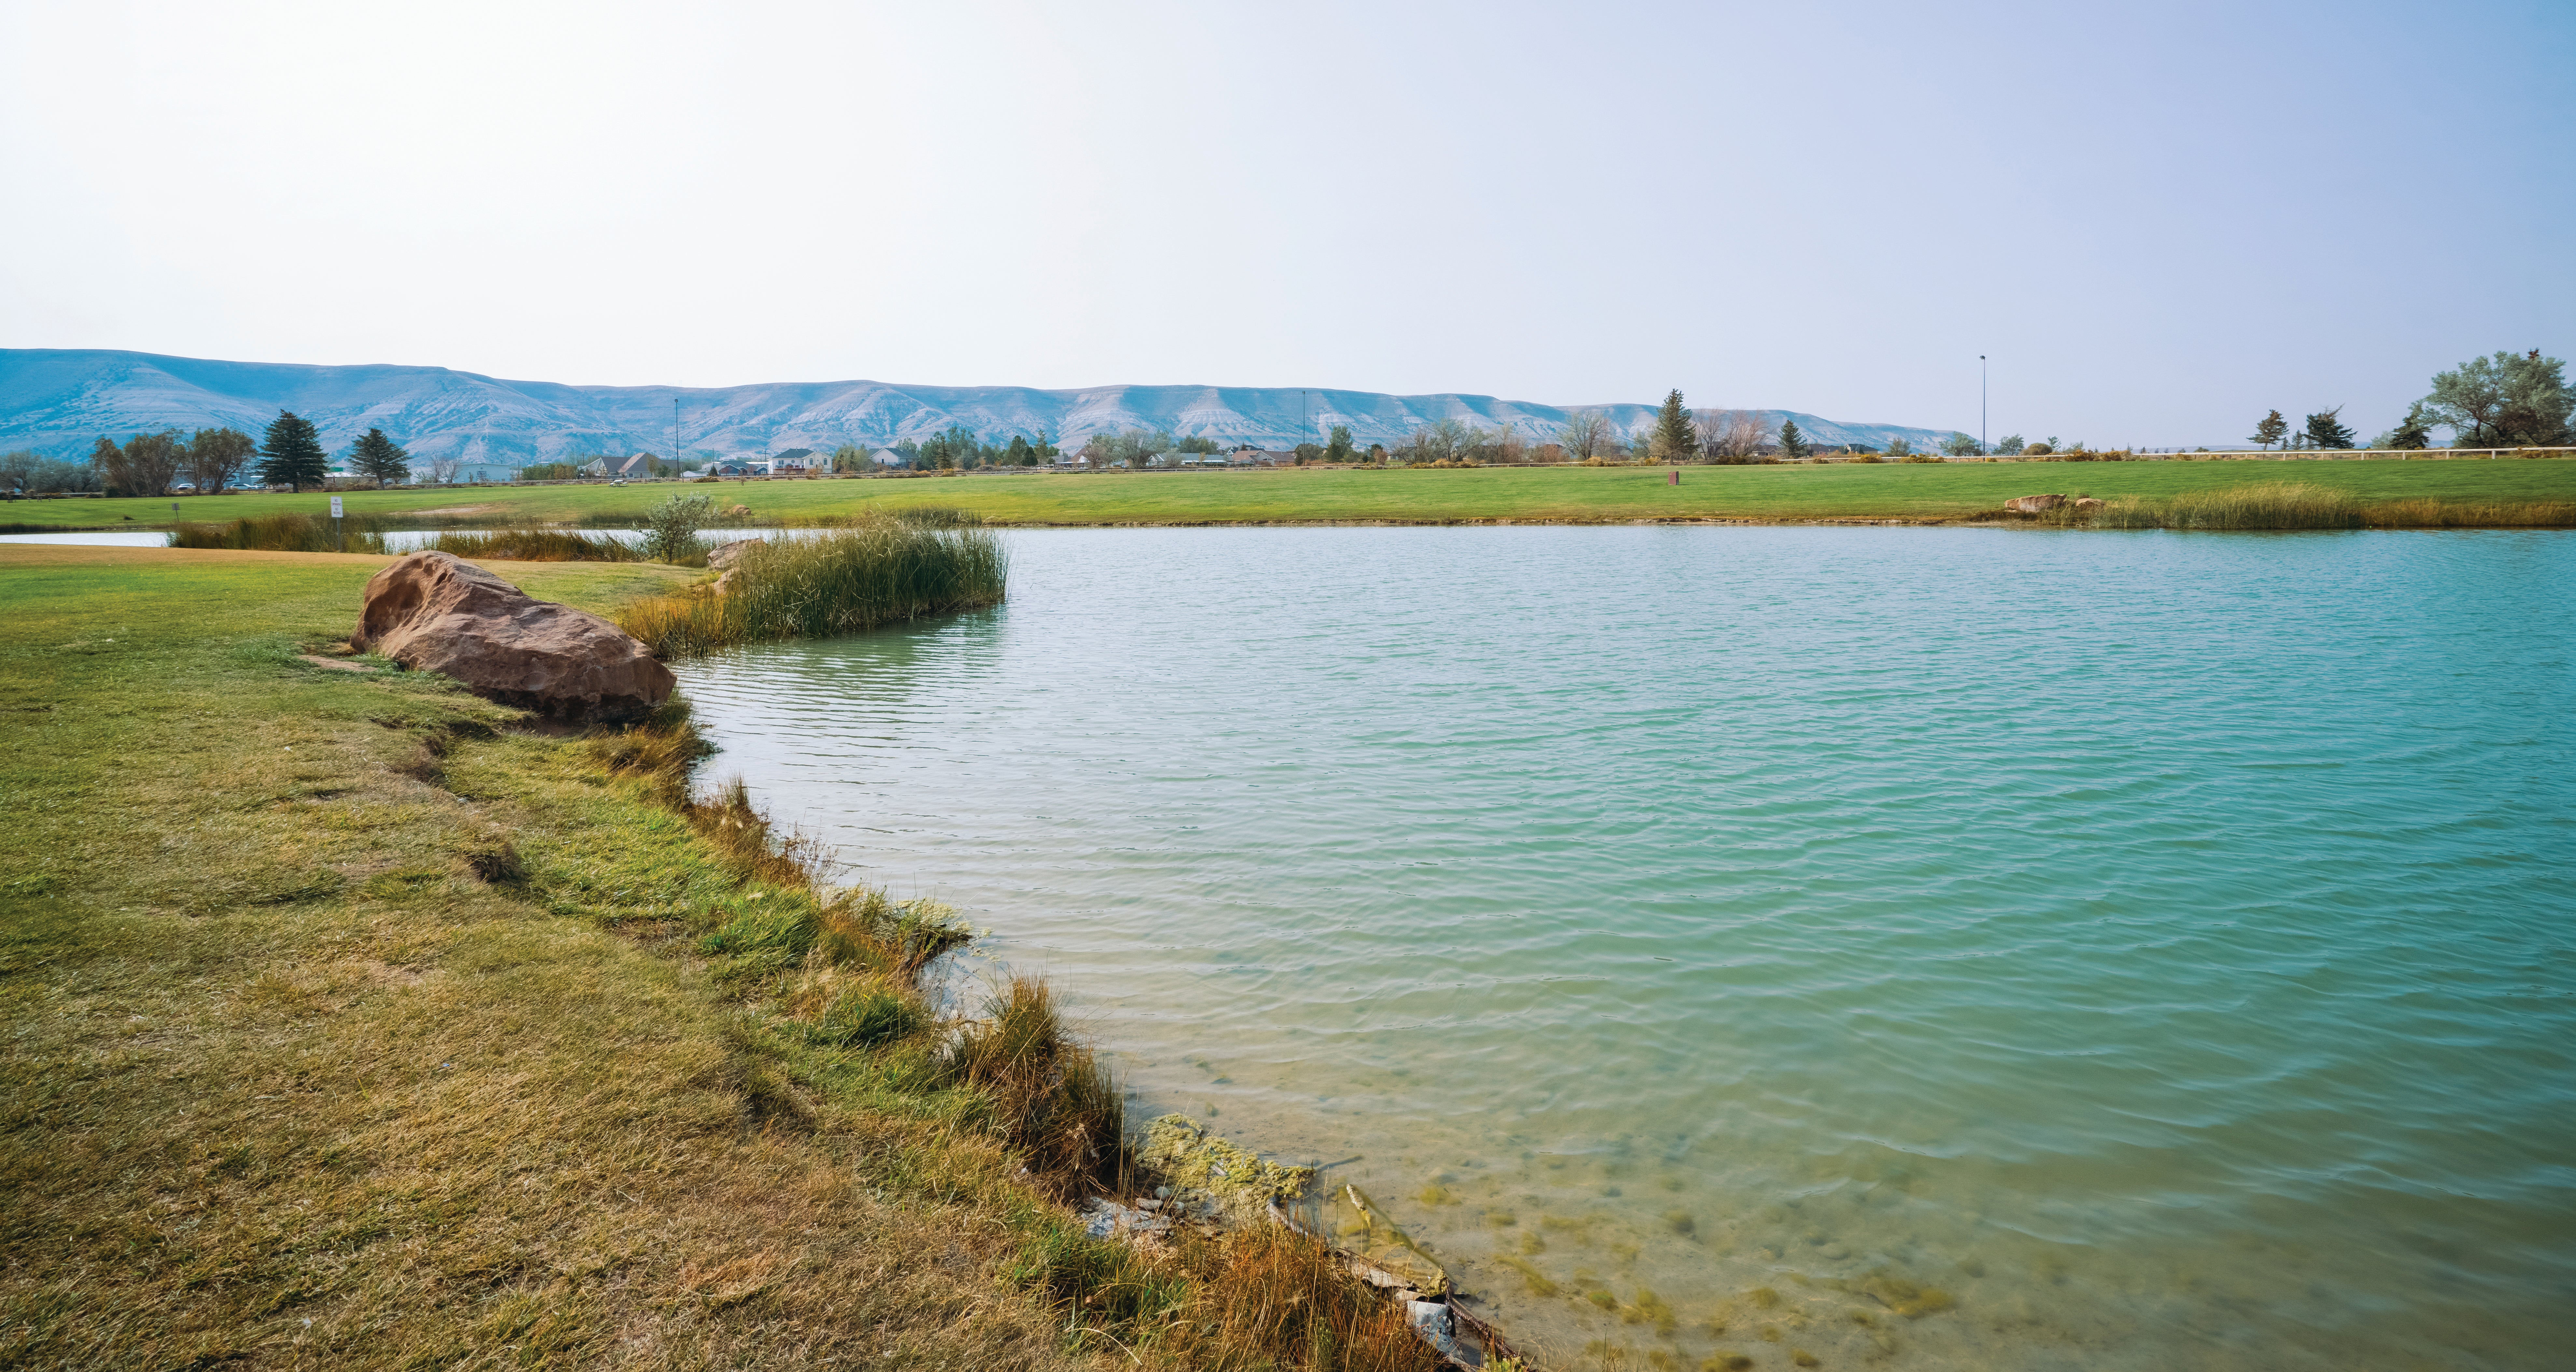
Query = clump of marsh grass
x=2263 y=505
x=288 y=533
x=534 y=545
x=880 y=571
x=2446 y=514
x=1053 y=1102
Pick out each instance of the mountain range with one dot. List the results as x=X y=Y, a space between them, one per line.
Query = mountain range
x=59 y=401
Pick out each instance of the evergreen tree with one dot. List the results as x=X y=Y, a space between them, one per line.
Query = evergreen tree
x=291 y=455
x=2412 y=434
x=1675 y=440
x=379 y=458
x=2271 y=429
x=1339 y=448
x=1792 y=443
x=2327 y=430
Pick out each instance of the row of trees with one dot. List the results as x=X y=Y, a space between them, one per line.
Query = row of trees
x=211 y=461
x=2509 y=400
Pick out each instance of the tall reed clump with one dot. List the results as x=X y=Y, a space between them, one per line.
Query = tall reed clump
x=534 y=545
x=879 y=572
x=288 y=533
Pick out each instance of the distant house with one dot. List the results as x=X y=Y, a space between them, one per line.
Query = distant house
x=597 y=466
x=887 y=457
x=633 y=466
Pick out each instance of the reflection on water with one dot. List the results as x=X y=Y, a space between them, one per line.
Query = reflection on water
x=1953 y=948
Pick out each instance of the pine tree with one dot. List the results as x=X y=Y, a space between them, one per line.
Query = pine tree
x=292 y=454
x=2414 y=432
x=1674 y=440
x=2327 y=430
x=1338 y=446
x=2271 y=429
x=1792 y=443
x=380 y=458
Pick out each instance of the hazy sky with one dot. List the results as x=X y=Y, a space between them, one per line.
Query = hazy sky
x=2159 y=220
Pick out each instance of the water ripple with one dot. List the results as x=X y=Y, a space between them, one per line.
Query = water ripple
x=2160 y=942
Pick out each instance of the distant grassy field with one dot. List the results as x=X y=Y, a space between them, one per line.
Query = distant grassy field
x=1553 y=494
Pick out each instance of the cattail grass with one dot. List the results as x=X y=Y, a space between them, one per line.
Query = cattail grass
x=879 y=572
x=534 y=545
x=288 y=533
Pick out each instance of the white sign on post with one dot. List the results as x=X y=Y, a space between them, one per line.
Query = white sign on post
x=335 y=507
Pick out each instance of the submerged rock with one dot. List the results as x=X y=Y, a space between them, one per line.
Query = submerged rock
x=433 y=612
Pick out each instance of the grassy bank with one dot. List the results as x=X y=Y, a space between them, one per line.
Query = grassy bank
x=882 y=571
x=353 y=1026
x=1926 y=491
x=2278 y=505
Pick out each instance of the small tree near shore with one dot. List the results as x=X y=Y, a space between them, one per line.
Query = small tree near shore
x=672 y=527
x=1793 y=444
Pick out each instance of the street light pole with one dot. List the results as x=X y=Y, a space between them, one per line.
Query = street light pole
x=1981 y=402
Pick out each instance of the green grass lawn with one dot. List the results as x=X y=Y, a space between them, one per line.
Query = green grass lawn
x=290 y=1081
x=1834 y=491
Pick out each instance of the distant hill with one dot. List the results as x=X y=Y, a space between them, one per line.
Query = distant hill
x=58 y=402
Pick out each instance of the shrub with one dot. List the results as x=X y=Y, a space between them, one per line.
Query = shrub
x=1919 y=457
x=673 y=527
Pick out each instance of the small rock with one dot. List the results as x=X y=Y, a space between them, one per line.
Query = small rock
x=2034 y=504
x=1431 y=1320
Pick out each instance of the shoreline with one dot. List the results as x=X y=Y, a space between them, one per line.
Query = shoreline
x=431 y=992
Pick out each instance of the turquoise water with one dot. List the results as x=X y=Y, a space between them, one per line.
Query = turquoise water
x=2158 y=944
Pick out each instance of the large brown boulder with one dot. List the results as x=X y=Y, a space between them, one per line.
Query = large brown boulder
x=2034 y=504
x=434 y=613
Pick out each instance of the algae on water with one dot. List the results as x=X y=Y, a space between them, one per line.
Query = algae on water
x=1241 y=1184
